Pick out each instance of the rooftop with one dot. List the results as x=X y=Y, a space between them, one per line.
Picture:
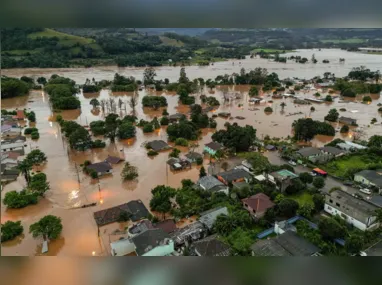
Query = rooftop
x=149 y=239
x=167 y=225
x=283 y=174
x=208 y=218
x=195 y=231
x=211 y=246
x=296 y=245
x=308 y=151
x=214 y=146
x=113 y=159
x=100 y=166
x=140 y=227
x=193 y=155
x=269 y=247
x=259 y=202
x=234 y=174
x=209 y=182
x=332 y=150
x=372 y=175
x=158 y=145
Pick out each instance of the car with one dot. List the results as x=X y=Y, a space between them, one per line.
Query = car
x=356 y=195
x=365 y=190
x=313 y=173
x=348 y=183
x=291 y=162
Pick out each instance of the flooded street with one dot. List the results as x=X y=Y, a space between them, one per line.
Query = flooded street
x=72 y=188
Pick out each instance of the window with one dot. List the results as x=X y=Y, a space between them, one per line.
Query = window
x=331 y=201
x=338 y=205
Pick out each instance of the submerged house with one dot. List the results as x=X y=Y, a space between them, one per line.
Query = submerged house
x=101 y=168
x=193 y=157
x=113 y=159
x=158 y=145
x=212 y=147
x=347 y=121
x=234 y=175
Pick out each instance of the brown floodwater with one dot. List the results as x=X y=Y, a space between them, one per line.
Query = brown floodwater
x=72 y=188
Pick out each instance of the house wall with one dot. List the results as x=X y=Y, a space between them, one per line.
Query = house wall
x=161 y=250
x=209 y=150
x=358 y=224
x=255 y=214
x=361 y=179
x=122 y=247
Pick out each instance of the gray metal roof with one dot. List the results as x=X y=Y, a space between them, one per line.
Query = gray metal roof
x=208 y=218
x=149 y=239
x=100 y=166
x=308 y=151
x=268 y=247
x=234 y=174
x=211 y=246
x=158 y=145
x=372 y=175
x=209 y=182
x=296 y=245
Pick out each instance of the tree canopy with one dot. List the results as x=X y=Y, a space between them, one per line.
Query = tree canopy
x=236 y=137
x=48 y=227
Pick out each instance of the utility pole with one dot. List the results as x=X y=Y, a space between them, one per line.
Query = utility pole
x=78 y=176
x=99 y=186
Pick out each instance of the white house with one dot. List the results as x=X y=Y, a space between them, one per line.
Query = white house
x=12 y=146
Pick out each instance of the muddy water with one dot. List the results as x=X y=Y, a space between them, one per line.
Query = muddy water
x=284 y=70
x=71 y=188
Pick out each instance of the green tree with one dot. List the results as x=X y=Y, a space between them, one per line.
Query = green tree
x=319 y=202
x=332 y=116
x=36 y=156
x=174 y=153
x=375 y=141
x=161 y=199
x=129 y=172
x=39 y=183
x=287 y=208
x=97 y=127
x=183 y=76
x=330 y=229
x=164 y=121
x=319 y=182
x=16 y=200
x=94 y=102
x=306 y=210
x=202 y=172
x=149 y=76
x=49 y=227
x=344 y=129
x=12 y=87
x=31 y=117
x=366 y=99
x=10 y=230
x=328 y=98
x=25 y=167
x=111 y=126
x=282 y=105
x=253 y=91
x=306 y=177
x=354 y=244
x=268 y=110
x=259 y=162
x=126 y=131
x=42 y=80
x=80 y=139
x=240 y=242
x=236 y=137
x=296 y=186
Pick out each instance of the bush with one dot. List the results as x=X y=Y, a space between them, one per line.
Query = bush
x=35 y=135
x=268 y=110
x=319 y=182
x=328 y=98
x=98 y=144
x=164 y=121
x=349 y=93
x=148 y=128
x=181 y=142
x=366 y=99
x=165 y=113
x=29 y=131
x=16 y=200
x=154 y=101
x=174 y=153
x=152 y=153
x=312 y=109
x=344 y=129
x=10 y=230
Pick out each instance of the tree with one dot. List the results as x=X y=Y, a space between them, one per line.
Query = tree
x=31 y=117
x=319 y=182
x=319 y=202
x=126 y=131
x=36 y=156
x=124 y=216
x=129 y=172
x=295 y=187
x=39 y=184
x=97 y=127
x=306 y=177
x=35 y=135
x=306 y=210
x=174 y=153
x=41 y=80
x=183 y=76
x=344 y=129
x=16 y=200
x=349 y=93
x=10 y=230
x=25 y=167
x=160 y=201
x=80 y=139
x=375 y=141
x=202 y=172
x=259 y=162
x=366 y=99
x=330 y=229
x=332 y=116
x=111 y=126
x=354 y=244
x=306 y=129
x=149 y=76
x=94 y=102
x=164 y=121
x=253 y=91
x=288 y=208
x=282 y=105
x=328 y=98
x=12 y=87
x=49 y=227
x=133 y=102
x=236 y=137
x=268 y=110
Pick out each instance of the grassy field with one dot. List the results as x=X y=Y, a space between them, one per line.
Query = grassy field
x=346 y=41
x=171 y=42
x=19 y=52
x=65 y=39
x=269 y=50
x=302 y=198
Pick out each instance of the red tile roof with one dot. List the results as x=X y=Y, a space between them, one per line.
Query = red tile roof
x=20 y=114
x=259 y=202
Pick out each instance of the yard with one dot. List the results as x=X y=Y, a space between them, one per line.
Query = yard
x=302 y=198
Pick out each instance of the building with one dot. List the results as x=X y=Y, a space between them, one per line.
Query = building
x=9 y=160
x=168 y=226
x=158 y=145
x=16 y=139
x=189 y=233
x=12 y=146
x=20 y=115
x=209 y=217
x=212 y=184
x=350 y=146
x=139 y=228
x=358 y=212
x=282 y=178
x=270 y=147
x=286 y=244
x=101 y=168
x=234 y=175
x=257 y=205
x=193 y=157
x=211 y=246
x=369 y=178
x=176 y=117
x=347 y=121
x=375 y=250
x=309 y=153
x=212 y=147
x=8 y=174
x=10 y=131
x=247 y=166
x=113 y=159
x=151 y=242
x=333 y=151
x=178 y=164
x=136 y=209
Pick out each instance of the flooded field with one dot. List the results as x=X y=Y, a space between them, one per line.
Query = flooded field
x=284 y=70
x=72 y=188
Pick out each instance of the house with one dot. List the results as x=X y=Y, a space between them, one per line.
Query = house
x=168 y=226
x=178 y=164
x=8 y=160
x=158 y=145
x=234 y=175
x=101 y=168
x=140 y=227
x=8 y=174
x=191 y=232
x=333 y=151
x=309 y=153
x=286 y=244
x=247 y=166
x=282 y=178
x=12 y=146
x=270 y=147
x=257 y=205
x=176 y=117
x=151 y=242
x=209 y=217
x=113 y=159
x=347 y=121
x=9 y=131
x=211 y=246
x=20 y=115
x=136 y=209
x=358 y=212
x=15 y=139
x=350 y=146
x=375 y=250
x=212 y=147
x=193 y=157
x=212 y=184
x=369 y=178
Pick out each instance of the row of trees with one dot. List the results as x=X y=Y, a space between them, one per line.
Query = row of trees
x=306 y=129
x=62 y=92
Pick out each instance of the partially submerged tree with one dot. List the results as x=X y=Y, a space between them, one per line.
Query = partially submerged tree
x=129 y=172
x=49 y=227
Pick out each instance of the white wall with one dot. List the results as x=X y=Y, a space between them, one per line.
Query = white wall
x=161 y=250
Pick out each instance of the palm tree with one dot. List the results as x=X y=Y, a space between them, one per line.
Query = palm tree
x=377 y=76
x=25 y=167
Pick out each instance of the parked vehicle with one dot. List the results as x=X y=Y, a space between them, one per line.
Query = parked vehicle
x=348 y=183
x=313 y=173
x=291 y=162
x=356 y=195
x=365 y=190
x=319 y=172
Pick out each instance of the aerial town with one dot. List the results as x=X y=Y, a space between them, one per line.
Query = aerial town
x=271 y=153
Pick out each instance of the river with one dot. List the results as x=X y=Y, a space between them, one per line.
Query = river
x=70 y=188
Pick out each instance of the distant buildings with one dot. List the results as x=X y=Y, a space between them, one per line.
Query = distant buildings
x=369 y=178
